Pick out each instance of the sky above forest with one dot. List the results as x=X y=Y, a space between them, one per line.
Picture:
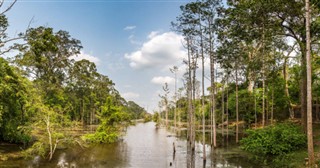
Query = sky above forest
x=130 y=41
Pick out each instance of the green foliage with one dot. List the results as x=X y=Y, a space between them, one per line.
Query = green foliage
x=102 y=135
x=246 y=104
x=147 y=117
x=112 y=119
x=274 y=140
x=14 y=99
x=38 y=148
x=155 y=117
x=135 y=110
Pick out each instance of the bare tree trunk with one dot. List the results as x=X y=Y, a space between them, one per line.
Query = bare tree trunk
x=255 y=110
x=267 y=111
x=227 y=106
x=212 y=75
x=203 y=97
x=82 y=116
x=286 y=90
x=303 y=93
x=166 y=114
x=263 y=93
x=272 y=105
x=190 y=97
x=237 y=107
x=174 y=70
x=250 y=75
x=309 y=89
x=222 y=110
x=263 y=77
x=193 y=102
x=317 y=109
x=47 y=120
x=213 y=104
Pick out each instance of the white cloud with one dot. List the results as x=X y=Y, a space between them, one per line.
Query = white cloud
x=88 y=57
x=130 y=95
x=162 y=80
x=153 y=34
x=160 y=51
x=129 y=28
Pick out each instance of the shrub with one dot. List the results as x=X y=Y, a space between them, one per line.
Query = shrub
x=274 y=140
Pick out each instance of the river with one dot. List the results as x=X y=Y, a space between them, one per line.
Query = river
x=143 y=146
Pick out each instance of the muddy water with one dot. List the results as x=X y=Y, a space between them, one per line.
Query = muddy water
x=143 y=146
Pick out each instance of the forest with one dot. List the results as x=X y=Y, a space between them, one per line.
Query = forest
x=45 y=93
x=263 y=74
x=264 y=78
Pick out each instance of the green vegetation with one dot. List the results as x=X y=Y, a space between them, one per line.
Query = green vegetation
x=45 y=95
x=279 y=139
x=112 y=118
x=262 y=49
x=281 y=145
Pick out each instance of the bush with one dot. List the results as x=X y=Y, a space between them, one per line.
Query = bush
x=101 y=137
x=104 y=134
x=274 y=140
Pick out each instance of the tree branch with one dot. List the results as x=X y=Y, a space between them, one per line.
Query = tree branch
x=10 y=6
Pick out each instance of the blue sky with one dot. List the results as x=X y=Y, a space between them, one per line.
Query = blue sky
x=130 y=41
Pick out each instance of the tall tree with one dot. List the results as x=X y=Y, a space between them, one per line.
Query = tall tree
x=174 y=70
x=309 y=89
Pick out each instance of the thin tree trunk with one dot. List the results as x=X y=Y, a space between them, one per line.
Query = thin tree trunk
x=309 y=89
x=272 y=105
x=212 y=75
x=227 y=106
x=49 y=137
x=255 y=109
x=267 y=111
x=263 y=80
x=285 y=76
x=222 y=110
x=193 y=102
x=317 y=109
x=82 y=116
x=237 y=107
x=166 y=106
x=202 y=108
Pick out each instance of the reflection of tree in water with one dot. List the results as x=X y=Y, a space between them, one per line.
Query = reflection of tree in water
x=102 y=155
x=190 y=157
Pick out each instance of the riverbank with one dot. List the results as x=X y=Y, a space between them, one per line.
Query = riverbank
x=144 y=146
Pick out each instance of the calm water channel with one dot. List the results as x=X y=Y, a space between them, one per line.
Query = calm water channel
x=143 y=146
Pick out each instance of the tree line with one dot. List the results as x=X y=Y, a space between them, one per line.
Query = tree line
x=258 y=54
x=44 y=92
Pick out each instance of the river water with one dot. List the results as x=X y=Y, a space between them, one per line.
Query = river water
x=143 y=146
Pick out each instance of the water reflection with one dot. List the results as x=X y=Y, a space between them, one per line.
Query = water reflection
x=144 y=146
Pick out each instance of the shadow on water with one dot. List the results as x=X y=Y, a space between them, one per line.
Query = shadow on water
x=144 y=146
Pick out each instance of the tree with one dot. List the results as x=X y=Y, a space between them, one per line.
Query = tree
x=46 y=58
x=135 y=110
x=309 y=89
x=165 y=100
x=82 y=76
x=4 y=39
x=174 y=70
x=15 y=102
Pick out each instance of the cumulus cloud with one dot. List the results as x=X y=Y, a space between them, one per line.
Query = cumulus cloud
x=160 y=80
x=160 y=51
x=88 y=57
x=130 y=95
x=129 y=28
